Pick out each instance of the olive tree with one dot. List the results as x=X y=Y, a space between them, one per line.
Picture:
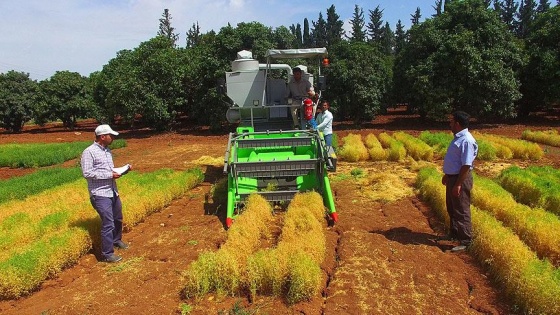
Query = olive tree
x=541 y=75
x=359 y=78
x=65 y=97
x=17 y=100
x=463 y=59
x=144 y=84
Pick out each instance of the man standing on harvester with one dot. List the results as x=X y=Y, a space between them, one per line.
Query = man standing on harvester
x=298 y=89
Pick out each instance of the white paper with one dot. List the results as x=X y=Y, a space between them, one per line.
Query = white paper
x=122 y=170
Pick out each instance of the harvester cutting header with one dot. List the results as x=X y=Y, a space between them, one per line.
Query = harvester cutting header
x=274 y=152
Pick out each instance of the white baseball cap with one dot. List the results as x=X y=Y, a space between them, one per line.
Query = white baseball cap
x=105 y=130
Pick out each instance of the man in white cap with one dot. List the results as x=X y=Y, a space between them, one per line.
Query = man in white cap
x=98 y=169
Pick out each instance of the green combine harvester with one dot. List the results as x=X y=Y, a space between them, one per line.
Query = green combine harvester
x=267 y=154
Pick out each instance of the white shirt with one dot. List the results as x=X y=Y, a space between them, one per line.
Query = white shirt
x=462 y=150
x=324 y=121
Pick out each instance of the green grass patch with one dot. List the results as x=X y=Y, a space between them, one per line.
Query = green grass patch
x=18 y=188
x=44 y=154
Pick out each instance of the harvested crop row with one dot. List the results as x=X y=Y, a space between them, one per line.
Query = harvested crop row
x=533 y=283
x=25 y=225
x=353 y=149
x=24 y=271
x=521 y=149
x=439 y=141
x=486 y=151
x=536 y=227
x=415 y=147
x=549 y=137
x=292 y=268
x=396 y=149
x=531 y=188
x=223 y=271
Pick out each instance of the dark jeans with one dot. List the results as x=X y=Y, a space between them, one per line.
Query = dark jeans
x=459 y=209
x=110 y=212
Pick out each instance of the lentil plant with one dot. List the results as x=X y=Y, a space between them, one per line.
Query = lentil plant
x=44 y=154
x=532 y=188
x=549 y=137
x=353 y=149
x=415 y=148
x=533 y=283
x=292 y=268
x=44 y=233
x=18 y=188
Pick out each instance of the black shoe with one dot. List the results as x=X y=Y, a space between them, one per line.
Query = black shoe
x=112 y=259
x=121 y=245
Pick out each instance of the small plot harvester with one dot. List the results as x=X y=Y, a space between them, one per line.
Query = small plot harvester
x=267 y=154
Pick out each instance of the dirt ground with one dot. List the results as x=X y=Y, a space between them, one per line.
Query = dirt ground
x=380 y=259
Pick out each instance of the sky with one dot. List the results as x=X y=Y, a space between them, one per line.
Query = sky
x=41 y=37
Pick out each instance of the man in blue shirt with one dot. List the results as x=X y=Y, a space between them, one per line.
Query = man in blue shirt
x=98 y=169
x=458 y=180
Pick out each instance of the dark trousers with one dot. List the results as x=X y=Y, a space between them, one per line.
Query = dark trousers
x=459 y=209
x=110 y=212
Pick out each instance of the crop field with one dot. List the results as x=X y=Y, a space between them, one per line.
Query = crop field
x=380 y=258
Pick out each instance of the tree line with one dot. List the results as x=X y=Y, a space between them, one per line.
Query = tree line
x=493 y=59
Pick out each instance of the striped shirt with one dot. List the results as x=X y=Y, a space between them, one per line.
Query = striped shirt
x=97 y=168
x=462 y=150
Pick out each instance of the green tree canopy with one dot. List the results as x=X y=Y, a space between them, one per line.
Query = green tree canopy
x=359 y=78
x=144 y=84
x=463 y=59
x=541 y=77
x=319 y=33
x=17 y=99
x=165 y=28
x=64 y=96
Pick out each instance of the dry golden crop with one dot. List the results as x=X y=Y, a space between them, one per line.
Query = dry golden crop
x=353 y=149
x=375 y=150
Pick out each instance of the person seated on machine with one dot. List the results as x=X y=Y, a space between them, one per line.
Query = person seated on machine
x=298 y=89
